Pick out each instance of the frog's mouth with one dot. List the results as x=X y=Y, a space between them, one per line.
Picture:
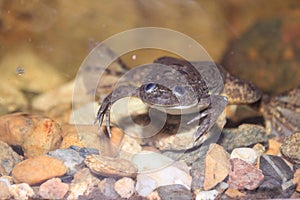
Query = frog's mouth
x=180 y=109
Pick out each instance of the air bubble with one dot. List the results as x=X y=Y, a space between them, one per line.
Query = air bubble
x=20 y=71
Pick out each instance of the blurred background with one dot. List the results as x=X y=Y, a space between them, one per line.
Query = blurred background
x=44 y=42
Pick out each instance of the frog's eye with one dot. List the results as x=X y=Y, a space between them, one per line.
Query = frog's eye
x=178 y=90
x=149 y=87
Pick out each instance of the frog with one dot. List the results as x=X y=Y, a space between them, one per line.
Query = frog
x=281 y=113
x=179 y=87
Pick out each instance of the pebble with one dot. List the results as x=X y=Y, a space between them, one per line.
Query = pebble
x=217 y=166
x=125 y=187
x=246 y=154
x=70 y=157
x=129 y=147
x=112 y=167
x=82 y=184
x=204 y=195
x=21 y=191
x=234 y=193
x=36 y=134
x=274 y=147
x=84 y=152
x=38 y=169
x=4 y=191
x=145 y=185
x=175 y=191
x=8 y=159
x=244 y=175
x=278 y=177
x=290 y=148
x=198 y=169
x=53 y=189
x=107 y=188
x=246 y=135
x=162 y=169
x=296 y=179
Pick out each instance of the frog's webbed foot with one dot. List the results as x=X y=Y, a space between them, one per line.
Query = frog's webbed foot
x=104 y=110
x=209 y=116
x=120 y=92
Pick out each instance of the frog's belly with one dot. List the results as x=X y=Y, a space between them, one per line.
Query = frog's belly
x=180 y=110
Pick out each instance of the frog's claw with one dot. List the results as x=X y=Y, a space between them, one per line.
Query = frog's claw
x=204 y=124
x=104 y=110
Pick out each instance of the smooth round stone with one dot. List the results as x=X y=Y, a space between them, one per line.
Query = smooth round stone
x=111 y=167
x=148 y=161
x=38 y=169
x=246 y=154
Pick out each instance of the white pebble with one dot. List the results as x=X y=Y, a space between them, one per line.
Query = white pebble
x=125 y=187
x=247 y=154
x=207 y=195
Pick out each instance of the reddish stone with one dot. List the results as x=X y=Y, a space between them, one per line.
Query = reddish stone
x=244 y=175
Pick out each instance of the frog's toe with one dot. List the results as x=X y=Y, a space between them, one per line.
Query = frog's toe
x=203 y=128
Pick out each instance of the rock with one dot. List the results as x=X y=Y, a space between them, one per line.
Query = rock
x=69 y=157
x=244 y=175
x=234 y=193
x=198 y=169
x=129 y=147
x=210 y=194
x=35 y=72
x=108 y=166
x=11 y=99
x=274 y=147
x=157 y=170
x=53 y=189
x=38 y=169
x=21 y=191
x=4 y=192
x=89 y=136
x=252 y=56
x=84 y=152
x=82 y=184
x=36 y=134
x=125 y=187
x=8 y=159
x=245 y=154
x=290 y=148
x=259 y=149
x=174 y=192
x=296 y=179
x=246 y=135
x=95 y=194
x=50 y=99
x=278 y=177
x=145 y=185
x=217 y=166
x=107 y=188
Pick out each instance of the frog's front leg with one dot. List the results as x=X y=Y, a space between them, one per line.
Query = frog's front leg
x=210 y=115
x=118 y=93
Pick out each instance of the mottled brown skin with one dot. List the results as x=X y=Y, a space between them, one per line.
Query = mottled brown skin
x=179 y=88
x=282 y=113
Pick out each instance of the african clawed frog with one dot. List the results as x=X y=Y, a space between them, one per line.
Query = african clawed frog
x=177 y=87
